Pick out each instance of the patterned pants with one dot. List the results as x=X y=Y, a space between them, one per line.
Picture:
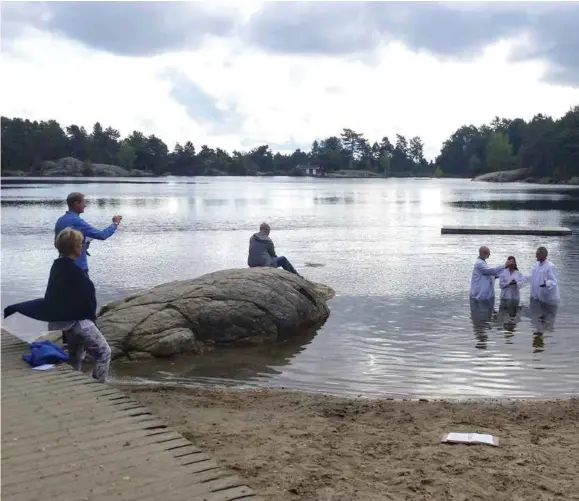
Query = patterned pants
x=84 y=337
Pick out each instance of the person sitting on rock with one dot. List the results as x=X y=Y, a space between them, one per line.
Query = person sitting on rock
x=262 y=251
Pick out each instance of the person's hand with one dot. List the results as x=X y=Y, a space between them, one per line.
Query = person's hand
x=117 y=219
x=513 y=282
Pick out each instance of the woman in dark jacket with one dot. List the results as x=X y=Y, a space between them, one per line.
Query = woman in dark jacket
x=69 y=304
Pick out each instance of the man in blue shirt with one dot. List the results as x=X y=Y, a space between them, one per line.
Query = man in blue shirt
x=71 y=219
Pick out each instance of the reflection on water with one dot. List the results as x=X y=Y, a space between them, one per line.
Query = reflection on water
x=334 y=200
x=538 y=342
x=509 y=310
x=543 y=316
x=481 y=315
x=401 y=322
x=226 y=365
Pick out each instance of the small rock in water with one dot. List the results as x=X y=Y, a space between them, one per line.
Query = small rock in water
x=314 y=265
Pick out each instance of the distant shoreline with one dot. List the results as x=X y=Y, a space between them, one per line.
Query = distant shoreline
x=504 y=177
x=332 y=175
x=15 y=179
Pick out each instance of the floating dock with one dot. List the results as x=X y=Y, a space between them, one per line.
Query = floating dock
x=505 y=230
x=66 y=437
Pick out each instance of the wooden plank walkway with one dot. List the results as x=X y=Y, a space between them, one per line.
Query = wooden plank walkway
x=66 y=437
x=505 y=230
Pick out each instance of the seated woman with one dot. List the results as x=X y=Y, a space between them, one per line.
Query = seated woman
x=510 y=281
x=69 y=305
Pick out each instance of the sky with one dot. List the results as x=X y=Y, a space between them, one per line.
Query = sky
x=240 y=74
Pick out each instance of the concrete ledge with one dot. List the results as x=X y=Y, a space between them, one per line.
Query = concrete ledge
x=503 y=230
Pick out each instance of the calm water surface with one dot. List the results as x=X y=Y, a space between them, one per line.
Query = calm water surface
x=401 y=322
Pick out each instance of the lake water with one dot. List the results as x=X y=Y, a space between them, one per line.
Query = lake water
x=401 y=321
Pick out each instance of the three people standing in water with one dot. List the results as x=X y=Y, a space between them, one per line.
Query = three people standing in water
x=544 y=294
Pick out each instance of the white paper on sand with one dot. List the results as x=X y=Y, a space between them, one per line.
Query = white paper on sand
x=470 y=438
x=44 y=367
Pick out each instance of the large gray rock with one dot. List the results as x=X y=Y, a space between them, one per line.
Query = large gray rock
x=251 y=305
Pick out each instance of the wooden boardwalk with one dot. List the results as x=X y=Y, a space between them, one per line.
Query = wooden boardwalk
x=66 y=437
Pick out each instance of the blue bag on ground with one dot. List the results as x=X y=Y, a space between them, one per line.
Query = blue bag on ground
x=45 y=352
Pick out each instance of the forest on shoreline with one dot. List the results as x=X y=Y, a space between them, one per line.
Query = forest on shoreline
x=544 y=147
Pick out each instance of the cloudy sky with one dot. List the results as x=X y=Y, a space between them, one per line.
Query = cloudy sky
x=240 y=74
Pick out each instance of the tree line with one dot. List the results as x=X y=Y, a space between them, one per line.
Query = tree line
x=545 y=146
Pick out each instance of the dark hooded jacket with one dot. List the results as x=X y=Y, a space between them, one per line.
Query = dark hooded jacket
x=261 y=251
x=70 y=295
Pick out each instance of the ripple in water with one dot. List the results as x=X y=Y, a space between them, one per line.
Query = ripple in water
x=401 y=322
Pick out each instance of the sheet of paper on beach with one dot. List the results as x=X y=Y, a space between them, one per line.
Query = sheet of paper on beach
x=470 y=438
x=44 y=367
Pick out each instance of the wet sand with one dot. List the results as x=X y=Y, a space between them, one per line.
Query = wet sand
x=293 y=446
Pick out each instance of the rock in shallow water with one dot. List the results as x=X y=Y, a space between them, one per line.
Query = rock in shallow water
x=251 y=305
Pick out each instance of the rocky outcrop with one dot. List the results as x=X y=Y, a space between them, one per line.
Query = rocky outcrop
x=506 y=176
x=521 y=175
x=243 y=306
x=73 y=167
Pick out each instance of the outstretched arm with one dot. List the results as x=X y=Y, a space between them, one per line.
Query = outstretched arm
x=523 y=279
x=485 y=269
x=90 y=231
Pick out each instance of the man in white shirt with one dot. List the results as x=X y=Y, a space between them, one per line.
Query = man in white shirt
x=544 y=286
x=544 y=292
x=482 y=294
x=482 y=283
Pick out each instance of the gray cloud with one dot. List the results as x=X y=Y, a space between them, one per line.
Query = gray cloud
x=313 y=28
x=350 y=27
x=453 y=30
x=123 y=28
x=554 y=38
x=202 y=107
x=447 y=30
x=16 y=16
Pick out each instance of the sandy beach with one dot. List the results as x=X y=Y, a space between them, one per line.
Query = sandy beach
x=293 y=446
